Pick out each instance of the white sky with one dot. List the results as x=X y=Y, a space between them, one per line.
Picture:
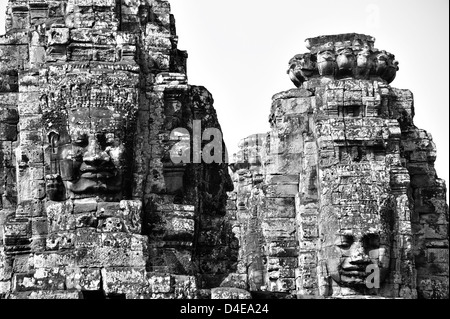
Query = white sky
x=239 y=50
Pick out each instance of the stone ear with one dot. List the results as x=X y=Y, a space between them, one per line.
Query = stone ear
x=53 y=140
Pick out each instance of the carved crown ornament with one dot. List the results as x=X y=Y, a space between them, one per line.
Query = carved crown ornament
x=340 y=56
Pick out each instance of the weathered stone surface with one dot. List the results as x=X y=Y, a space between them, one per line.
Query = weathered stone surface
x=93 y=94
x=229 y=293
x=160 y=283
x=123 y=280
x=343 y=181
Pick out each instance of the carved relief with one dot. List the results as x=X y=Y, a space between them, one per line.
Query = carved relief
x=341 y=56
x=90 y=143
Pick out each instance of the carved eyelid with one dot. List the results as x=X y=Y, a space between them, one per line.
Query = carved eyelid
x=346 y=240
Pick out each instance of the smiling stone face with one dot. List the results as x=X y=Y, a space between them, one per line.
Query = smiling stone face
x=349 y=251
x=90 y=142
x=356 y=254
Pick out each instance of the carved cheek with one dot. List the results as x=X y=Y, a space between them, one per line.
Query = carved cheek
x=362 y=61
x=116 y=154
x=67 y=153
x=333 y=265
x=384 y=257
x=374 y=254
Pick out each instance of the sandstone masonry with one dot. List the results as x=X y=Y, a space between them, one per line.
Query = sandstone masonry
x=343 y=181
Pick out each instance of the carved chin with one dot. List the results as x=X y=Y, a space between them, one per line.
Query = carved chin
x=95 y=186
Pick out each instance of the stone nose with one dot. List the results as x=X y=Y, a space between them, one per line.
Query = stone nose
x=94 y=154
x=358 y=254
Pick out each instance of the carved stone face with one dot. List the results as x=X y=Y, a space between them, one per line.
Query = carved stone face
x=325 y=56
x=345 y=60
x=326 y=62
x=386 y=66
x=363 y=59
x=381 y=62
x=301 y=68
x=304 y=63
x=353 y=253
x=353 y=242
x=90 y=140
x=92 y=154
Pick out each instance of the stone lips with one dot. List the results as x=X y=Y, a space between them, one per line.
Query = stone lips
x=342 y=56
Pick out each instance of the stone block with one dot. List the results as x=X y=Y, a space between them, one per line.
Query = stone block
x=84 y=205
x=81 y=35
x=41 y=279
x=185 y=287
x=282 y=248
x=108 y=256
x=235 y=280
x=60 y=240
x=17 y=229
x=282 y=285
x=8 y=132
x=58 y=36
x=281 y=267
x=21 y=264
x=160 y=283
x=104 y=3
x=5 y=267
x=124 y=280
x=37 y=55
x=83 y=279
x=282 y=190
x=110 y=224
x=278 y=228
x=5 y=287
x=60 y=294
x=87 y=238
x=132 y=215
x=438 y=255
x=59 y=216
x=279 y=208
x=8 y=115
x=229 y=293
x=307 y=258
x=48 y=260
x=123 y=240
x=39 y=226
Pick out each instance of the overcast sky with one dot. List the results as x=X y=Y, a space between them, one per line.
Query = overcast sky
x=239 y=50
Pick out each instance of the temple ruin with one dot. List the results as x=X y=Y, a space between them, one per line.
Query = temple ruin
x=343 y=187
x=92 y=204
x=103 y=195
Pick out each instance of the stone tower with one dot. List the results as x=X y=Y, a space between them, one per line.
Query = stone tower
x=341 y=199
x=93 y=98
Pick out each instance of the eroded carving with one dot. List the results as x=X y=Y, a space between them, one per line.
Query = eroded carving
x=341 y=56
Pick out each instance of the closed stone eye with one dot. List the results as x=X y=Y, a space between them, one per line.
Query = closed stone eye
x=346 y=242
